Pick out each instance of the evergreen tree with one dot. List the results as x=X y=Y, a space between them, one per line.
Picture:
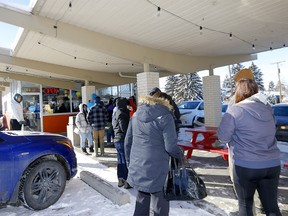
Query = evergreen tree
x=226 y=88
x=271 y=86
x=234 y=70
x=258 y=76
x=171 y=83
x=226 y=83
x=189 y=87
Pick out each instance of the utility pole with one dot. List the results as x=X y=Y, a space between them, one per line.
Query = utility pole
x=279 y=81
x=230 y=79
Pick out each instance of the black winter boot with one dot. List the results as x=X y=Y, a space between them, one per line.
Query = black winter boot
x=91 y=149
x=121 y=182
x=84 y=150
x=127 y=185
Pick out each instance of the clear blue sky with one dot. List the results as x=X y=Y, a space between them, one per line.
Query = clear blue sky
x=265 y=60
x=9 y=32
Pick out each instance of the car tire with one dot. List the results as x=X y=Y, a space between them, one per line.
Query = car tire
x=43 y=184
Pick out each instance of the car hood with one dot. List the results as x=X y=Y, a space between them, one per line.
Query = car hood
x=33 y=135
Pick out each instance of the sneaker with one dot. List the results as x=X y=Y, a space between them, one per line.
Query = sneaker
x=127 y=185
x=121 y=182
x=91 y=149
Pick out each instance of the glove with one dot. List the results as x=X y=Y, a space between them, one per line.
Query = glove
x=21 y=122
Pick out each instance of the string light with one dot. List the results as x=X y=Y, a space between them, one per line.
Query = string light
x=203 y=27
x=253 y=46
x=158 y=11
x=201 y=30
x=84 y=59
x=70 y=6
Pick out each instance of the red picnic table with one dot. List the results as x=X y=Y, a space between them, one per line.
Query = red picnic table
x=209 y=137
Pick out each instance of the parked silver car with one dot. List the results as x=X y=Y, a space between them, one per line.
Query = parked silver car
x=189 y=110
x=200 y=120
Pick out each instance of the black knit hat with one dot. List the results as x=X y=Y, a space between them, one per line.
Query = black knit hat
x=154 y=90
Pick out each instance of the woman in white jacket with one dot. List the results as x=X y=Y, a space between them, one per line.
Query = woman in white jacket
x=84 y=128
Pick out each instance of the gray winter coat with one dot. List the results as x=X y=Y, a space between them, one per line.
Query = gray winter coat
x=150 y=139
x=249 y=127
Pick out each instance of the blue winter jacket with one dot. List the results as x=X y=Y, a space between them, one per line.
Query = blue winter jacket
x=150 y=139
x=249 y=128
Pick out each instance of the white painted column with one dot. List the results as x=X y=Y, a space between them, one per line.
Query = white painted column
x=87 y=91
x=146 y=81
x=212 y=98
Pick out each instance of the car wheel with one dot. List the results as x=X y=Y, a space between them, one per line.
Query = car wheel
x=43 y=184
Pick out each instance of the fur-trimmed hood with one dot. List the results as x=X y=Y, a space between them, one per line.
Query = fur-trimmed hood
x=154 y=100
x=151 y=108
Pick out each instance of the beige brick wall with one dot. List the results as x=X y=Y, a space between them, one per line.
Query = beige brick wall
x=146 y=81
x=212 y=98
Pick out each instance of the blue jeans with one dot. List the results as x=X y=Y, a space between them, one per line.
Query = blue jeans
x=265 y=181
x=109 y=134
x=83 y=137
x=122 y=171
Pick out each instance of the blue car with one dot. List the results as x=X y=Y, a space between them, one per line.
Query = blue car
x=281 y=116
x=34 y=167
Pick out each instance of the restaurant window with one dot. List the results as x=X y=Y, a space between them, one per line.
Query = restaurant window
x=59 y=100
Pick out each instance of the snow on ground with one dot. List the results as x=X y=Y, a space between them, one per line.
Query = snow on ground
x=80 y=199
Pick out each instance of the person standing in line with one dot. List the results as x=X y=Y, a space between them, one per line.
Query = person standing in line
x=109 y=127
x=17 y=118
x=85 y=130
x=176 y=113
x=97 y=117
x=249 y=126
x=131 y=106
x=120 y=123
x=150 y=140
x=242 y=74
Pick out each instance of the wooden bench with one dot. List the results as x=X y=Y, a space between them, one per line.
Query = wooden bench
x=209 y=137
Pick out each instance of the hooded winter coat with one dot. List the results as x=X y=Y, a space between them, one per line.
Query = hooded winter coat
x=82 y=122
x=120 y=120
x=150 y=139
x=17 y=110
x=249 y=128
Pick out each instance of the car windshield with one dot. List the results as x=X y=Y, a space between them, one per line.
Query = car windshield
x=280 y=111
x=188 y=105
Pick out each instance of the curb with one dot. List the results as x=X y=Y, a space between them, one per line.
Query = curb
x=112 y=193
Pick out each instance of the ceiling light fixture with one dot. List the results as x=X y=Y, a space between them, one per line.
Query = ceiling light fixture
x=230 y=36
x=253 y=46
